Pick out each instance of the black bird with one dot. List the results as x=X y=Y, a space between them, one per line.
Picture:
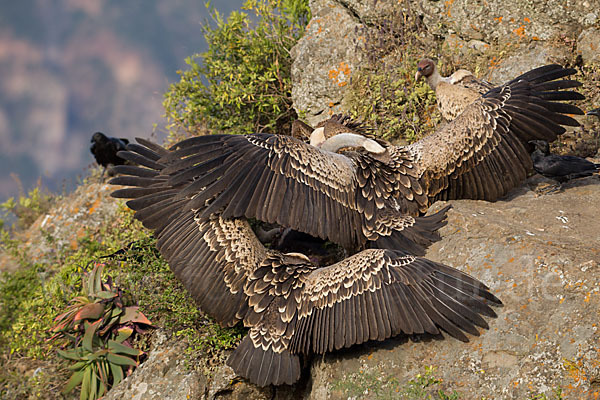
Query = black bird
x=105 y=148
x=560 y=168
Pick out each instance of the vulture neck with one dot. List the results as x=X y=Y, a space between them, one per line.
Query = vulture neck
x=434 y=79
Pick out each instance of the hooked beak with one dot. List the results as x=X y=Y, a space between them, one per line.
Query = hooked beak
x=418 y=75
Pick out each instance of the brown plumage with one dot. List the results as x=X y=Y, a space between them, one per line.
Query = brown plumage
x=197 y=195
x=453 y=93
x=293 y=307
x=296 y=309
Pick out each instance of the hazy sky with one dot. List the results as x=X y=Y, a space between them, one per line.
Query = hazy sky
x=73 y=67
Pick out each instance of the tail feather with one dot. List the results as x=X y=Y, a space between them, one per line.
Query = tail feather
x=264 y=367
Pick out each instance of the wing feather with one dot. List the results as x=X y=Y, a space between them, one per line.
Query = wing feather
x=482 y=154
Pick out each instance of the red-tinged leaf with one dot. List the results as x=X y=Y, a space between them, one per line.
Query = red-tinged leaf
x=70 y=354
x=73 y=381
x=90 y=311
x=132 y=314
x=108 y=326
x=85 y=384
x=78 y=365
x=101 y=389
x=93 y=383
x=105 y=294
x=120 y=360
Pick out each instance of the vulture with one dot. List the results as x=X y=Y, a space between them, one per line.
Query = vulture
x=560 y=168
x=453 y=93
x=105 y=149
x=199 y=195
x=293 y=307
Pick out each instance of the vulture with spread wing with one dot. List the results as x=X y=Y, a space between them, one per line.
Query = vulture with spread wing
x=292 y=306
x=198 y=195
x=453 y=93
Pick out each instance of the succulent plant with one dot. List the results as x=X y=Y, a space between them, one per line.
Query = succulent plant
x=100 y=327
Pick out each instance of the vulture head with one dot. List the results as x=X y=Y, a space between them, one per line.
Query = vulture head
x=425 y=67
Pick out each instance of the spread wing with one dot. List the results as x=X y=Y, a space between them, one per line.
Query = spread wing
x=212 y=254
x=483 y=153
x=212 y=257
x=348 y=199
x=295 y=308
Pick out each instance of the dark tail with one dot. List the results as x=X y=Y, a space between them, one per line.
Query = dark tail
x=264 y=367
x=416 y=238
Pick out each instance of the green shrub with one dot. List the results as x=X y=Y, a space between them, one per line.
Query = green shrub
x=27 y=207
x=242 y=84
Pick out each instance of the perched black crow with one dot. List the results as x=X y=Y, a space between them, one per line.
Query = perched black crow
x=560 y=168
x=105 y=148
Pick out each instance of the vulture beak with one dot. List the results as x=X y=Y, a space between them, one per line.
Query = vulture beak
x=418 y=74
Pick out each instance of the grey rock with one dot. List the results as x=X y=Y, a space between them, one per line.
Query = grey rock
x=162 y=376
x=588 y=45
x=324 y=60
x=526 y=58
x=507 y=21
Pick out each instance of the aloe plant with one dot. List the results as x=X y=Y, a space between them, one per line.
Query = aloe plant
x=100 y=326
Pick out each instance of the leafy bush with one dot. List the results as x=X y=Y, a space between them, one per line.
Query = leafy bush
x=27 y=207
x=383 y=92
x=242 y=84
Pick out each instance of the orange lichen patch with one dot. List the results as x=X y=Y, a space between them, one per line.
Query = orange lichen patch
x=499 y=19
x=448 y=4
x=511 y=259
x=520 y=31
x=94 y=206
x=561 y=300
x=331 y=104
x=535 y=38
x=526 y=20
x=340 y=74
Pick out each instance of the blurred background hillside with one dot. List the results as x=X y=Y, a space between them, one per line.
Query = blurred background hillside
x=69 y=68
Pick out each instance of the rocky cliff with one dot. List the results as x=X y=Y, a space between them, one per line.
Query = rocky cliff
x=539 y=254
